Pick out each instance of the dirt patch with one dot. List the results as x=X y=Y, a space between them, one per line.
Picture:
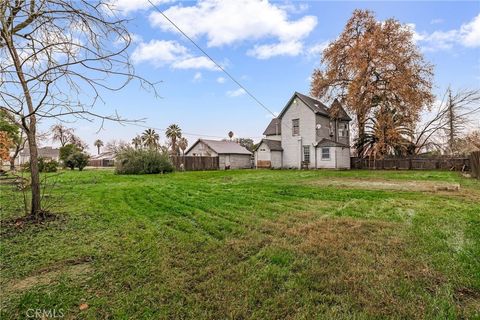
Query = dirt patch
x=78 y=269
x=11 y=227
x=425 y=186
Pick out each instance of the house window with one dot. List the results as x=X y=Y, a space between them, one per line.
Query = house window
x=306 y=154
x=295 y=127
x=325 y=153
x=263 y=150
x=343 y=129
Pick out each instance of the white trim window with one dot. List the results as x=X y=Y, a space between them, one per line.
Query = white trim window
x=306 y=154
x=325 y=153
x=343 y=129
x=295 y=127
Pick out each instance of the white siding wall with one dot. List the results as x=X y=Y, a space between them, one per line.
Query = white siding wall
x=330 y=163
x=292 y=145
x=201 y=149
x=276 y=159
x=274 y=137
x=343 y=158
x=236 y=161
x=263 y=155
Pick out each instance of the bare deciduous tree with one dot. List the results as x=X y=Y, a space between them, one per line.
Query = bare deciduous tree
x=57 y=56
x=456 y=111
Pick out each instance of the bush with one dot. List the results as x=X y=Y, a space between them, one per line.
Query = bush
x=47 y=165
x=80 y=160
x=44 y=165
x=73 y=157
x=143 y=161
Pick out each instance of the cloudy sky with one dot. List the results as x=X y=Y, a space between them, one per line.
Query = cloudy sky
x=271 y=48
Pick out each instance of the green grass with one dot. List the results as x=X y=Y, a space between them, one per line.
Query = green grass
x=246 y=244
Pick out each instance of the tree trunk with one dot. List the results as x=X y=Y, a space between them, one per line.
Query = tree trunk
x=36 y=207
x=30 y=127
x=361 y=134
x=18 y=148
x=98 y=149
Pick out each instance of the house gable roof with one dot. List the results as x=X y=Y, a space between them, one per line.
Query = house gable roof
x=317 y=107
x=222 y=146
x=336 y=111
x=273 y=145
x=330 y=143
x=274 y=128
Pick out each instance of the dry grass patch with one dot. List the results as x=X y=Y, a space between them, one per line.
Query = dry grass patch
x=389 y=185
x=78 y=269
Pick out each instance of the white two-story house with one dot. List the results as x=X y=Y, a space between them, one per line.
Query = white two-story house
x=306 y=134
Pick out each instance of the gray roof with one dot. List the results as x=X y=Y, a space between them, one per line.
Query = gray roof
x=330 y=143
x=274 y=128
x=336 y=111
x=104 y=155
x=318 y=107
x=273 y=145
x=222 y=146
x=45 y=152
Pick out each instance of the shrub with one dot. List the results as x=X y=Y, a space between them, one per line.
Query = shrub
x=47 y=165
x=66 y=151
x=73 y=157
x=44 y=165
x=142 y=161
x=80 y=160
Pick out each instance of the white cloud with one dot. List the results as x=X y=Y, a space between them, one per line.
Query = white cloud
x=470 y=33
x=267 y=51
x=467 y=35
x=232 y=22
x=128 y=6
x=221 y=80
x=163 y=52
x=194 y=63
x=236 y=93
x=318 y=48
x=197 y=77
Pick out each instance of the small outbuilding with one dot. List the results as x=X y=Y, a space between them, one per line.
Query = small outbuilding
x=230 y=154
x=268 y=154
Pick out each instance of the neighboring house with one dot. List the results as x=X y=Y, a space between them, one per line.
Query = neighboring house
x=104 y=159
x=48 y=153
x=308 y=134
x=230 y=154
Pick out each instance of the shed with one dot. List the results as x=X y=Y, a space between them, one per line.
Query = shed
x=268 y=154
x=230 y=154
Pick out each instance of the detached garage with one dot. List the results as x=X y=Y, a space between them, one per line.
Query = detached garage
x=230 y=154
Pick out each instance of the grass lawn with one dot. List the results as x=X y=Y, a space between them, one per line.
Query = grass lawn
x=246 y=244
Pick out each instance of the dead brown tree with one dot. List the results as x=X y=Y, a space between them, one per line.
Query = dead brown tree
x=56 y=59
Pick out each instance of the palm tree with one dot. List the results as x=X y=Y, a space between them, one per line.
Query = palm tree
x=386 y=135
x=183 y=144
x=173 y=132
x=230 y=135
x=150 y=138
x=98 y=143
x=137 y=142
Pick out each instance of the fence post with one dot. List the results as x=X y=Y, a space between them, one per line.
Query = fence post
x=475 y=164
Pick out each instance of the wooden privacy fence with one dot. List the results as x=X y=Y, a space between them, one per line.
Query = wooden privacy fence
x=189 y=163
x=475 y=164
x=440 y=163
x=101 y=163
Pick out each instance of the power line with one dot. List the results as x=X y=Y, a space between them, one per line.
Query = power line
x=189 y=133
x=215 y=62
